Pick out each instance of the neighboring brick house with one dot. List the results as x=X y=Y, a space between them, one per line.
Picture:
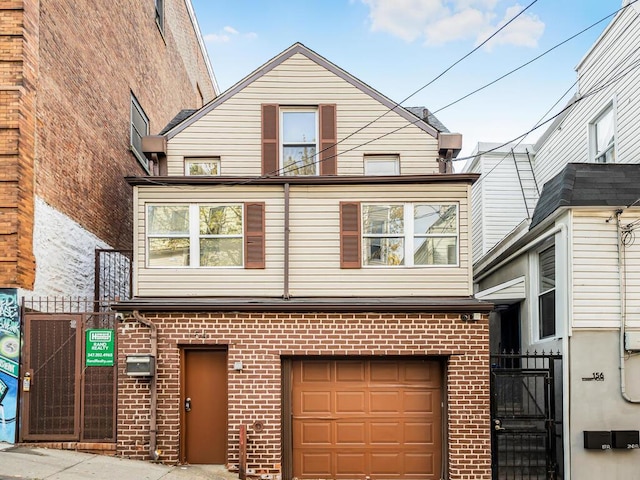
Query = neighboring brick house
x=80 y=83
x=304 y=271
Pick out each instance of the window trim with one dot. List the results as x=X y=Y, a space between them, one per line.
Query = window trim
x=281 y=143
x=159 y=15
x=409 y=235
x=594 y=155
x=194 y=235
x=135 y=106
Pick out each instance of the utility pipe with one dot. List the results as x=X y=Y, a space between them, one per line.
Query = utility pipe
x=286 y=295
x=153 y=414
x=623 y=308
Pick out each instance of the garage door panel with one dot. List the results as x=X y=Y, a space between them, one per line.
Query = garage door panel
x=351 y=433
x=385 y=401
x=311 y=402
x=350 y=402
x=319 y=371
x=419 y=433
x=349 y=371
x=367 y=416
x=386 y=433
x=421 y=402
x=314 y=433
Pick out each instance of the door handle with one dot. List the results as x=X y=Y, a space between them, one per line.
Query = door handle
x=497 y=425
x=187 y=404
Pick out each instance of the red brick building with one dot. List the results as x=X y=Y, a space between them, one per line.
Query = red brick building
x=307 y=281
x=80 y=83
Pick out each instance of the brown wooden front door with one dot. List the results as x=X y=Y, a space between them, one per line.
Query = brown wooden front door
x=367 y=417
x=204 y=407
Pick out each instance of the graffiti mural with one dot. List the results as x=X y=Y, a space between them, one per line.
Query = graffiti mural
x=9 y=363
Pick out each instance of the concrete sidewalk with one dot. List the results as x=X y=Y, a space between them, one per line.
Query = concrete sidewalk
x=22 y=462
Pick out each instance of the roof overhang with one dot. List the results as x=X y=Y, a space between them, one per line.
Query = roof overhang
x=306 y=304
x=509 y=292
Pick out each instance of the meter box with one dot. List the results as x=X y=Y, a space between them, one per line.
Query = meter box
x=627 y=439
x=597 y=440
x=140 y=365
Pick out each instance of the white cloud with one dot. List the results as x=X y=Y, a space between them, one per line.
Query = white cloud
x=228 y=34
x=440 y=21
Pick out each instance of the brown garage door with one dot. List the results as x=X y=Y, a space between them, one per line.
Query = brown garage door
x=353 y=418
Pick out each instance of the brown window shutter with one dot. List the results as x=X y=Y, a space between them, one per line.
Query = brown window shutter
x=328 y=140
x=269 y=139
x=254 y=235
x=349 y=235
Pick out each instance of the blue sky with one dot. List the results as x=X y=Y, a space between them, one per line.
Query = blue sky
x=398 y=46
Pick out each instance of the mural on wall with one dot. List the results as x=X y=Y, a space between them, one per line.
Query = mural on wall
x=9 y=363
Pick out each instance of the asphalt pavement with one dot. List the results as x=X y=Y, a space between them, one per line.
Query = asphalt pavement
x=32 y=463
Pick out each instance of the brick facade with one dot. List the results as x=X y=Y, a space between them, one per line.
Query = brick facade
x=82 y=60
x=260 y=340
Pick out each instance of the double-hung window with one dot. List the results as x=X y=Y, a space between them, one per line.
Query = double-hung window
x=409 y=234
x=205 y=235
x=299 y=134
x=602 y=132
x=547 y=292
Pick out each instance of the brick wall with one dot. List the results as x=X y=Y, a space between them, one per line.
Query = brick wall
x=81 y=59
x=259 y=341
x=18 y=72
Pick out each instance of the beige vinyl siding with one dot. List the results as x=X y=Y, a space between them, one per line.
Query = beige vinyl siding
x=314 y=245
x=609 y=59
x=232 y=130
x=212 y=281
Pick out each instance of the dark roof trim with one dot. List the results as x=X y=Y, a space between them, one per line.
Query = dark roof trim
x=307 y=304
x=306 y=180
x=277 y=60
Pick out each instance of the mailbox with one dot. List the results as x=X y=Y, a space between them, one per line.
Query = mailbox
x=597 y=440
x=627 y=439
x=140 y=365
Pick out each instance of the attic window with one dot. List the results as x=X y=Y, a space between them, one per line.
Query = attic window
x=202 y=166
x=299 y=141
x=382 y=164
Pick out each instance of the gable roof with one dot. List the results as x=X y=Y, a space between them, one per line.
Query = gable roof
x=589 y=185
x=298 y=48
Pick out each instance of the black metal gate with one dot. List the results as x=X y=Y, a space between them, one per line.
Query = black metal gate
x=526 y=416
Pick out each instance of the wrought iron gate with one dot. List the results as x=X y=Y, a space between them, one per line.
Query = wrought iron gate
x=62 y=398
x=526 y=416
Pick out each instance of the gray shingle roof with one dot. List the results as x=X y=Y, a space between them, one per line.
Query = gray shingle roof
x=182 y=115
x=589 y=185
x=430 y=118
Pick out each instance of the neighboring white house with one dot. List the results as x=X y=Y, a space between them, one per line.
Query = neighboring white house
x=565 y=279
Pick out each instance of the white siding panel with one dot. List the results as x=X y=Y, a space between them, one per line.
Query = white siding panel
x=232 y=130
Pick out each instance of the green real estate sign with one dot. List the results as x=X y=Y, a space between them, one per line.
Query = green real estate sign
x=99 y=348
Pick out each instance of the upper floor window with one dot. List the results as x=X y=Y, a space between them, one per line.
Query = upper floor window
x=602 y=137
x=299 y=140
x=202 y=166
x=382 y=164
x=409 y=234
x=139 y=129
x=547 y=292
x=160 y=14
x=205 y=235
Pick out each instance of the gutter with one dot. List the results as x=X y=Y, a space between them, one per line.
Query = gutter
x=154 y=453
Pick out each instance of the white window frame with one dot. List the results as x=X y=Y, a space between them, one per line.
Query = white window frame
x=136 y=136
x=196 y=160
x=316 y=163
x=610 y=151
x=409 y=234
x=159 y=9
x=373 y=159
x=539 y=293
x=194 y=234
